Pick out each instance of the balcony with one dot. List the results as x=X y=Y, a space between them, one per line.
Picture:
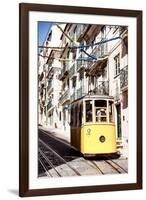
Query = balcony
x=80 y=92
x=65 y=96
x=72 y=70
x=124 y=77
x=49 y=105
x=100 y=51
x=101 y=89
x=89 y=64
x=81 y=64
x=80 y=31
x=73 y=96
x=64 y=71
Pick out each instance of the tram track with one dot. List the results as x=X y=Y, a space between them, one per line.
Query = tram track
x=111 y=162
x=115 y=168
x=57 y=157
x=94 y=165
x=119 y=166
x=45 y=168
x=49 y=162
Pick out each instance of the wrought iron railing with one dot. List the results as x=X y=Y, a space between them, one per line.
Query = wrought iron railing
x=102 y=88
x=124 y=77
x=72 y=70
x=64 y=96
x=80 y=92
x=73 y=96
x=89 y=64
x=100 y=51
x=80 y=30
x=64 y=70
x=81 y=64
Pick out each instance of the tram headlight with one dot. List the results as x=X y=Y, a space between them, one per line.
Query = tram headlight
x=102 y=139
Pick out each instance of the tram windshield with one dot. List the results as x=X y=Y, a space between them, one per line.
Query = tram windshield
x=99 y=111
x=76 y=114
x=89 y=111
x=111 y=111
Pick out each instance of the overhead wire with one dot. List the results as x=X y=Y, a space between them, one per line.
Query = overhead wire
x=95 y=44
x=77 y=46
x=81 y=46
x=67 y=59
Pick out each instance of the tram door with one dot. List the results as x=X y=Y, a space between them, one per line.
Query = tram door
x=119 y=133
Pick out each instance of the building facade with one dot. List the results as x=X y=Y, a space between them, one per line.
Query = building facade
x=49 y=84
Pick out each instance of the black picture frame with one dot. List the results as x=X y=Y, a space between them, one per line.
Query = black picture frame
x=24 y=9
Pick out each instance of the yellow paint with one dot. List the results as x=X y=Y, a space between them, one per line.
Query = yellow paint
x=90 y=143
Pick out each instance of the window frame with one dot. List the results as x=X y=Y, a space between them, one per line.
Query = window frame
x=116 y=65
x=86 y=112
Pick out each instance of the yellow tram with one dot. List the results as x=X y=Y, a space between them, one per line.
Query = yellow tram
x=93 y=126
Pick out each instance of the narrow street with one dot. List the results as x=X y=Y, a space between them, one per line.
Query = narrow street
x=57 y=158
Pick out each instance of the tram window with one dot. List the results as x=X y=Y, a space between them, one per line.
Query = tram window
x=74 y=82
x=125 y=99
x=76 y=115
x=88 y=111
x=101 y=110
x=72 y=115
x=111 y=114
x=100 y=103
x=80 y=114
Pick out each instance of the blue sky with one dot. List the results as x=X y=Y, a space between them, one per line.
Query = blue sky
x=43 y=29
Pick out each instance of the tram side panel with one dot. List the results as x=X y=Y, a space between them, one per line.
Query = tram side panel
x=76 y=139
x=76 y=115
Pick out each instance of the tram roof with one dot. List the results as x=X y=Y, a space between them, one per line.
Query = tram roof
x=97 y=97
